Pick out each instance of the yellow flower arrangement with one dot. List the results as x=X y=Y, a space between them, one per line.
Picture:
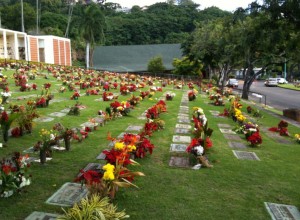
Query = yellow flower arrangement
x=131 y=148
x=119 y=145
x=109 y=172
x=297 y=136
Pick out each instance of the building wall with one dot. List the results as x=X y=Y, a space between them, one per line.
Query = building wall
x=33 y=48
x=55 y=50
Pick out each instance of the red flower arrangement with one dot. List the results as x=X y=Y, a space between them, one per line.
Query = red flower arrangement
x=75 y=95
x=281 y=128
x=255 y=139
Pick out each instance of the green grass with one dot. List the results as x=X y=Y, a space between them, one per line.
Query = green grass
x=233 y=189
x=289 y=86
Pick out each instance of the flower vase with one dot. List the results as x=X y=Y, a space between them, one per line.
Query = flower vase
x=47 y=102
x=5 y=135
x=42 y=156
x=67 y=143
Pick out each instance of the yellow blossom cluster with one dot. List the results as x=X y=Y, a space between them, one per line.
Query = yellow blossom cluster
x=239 y=115
x=119 y=145
x=131 y=148
x=297 y=136
x=109 y=172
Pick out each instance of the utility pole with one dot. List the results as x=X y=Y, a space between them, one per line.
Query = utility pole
x=37 y=16
x=22 y=16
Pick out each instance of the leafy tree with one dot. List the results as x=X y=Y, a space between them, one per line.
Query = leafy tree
x=91 y=25
x=155 y=65
x=185 y=66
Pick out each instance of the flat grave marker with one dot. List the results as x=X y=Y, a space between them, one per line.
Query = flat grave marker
x=56 y=100
x=179 y=162
x=183 y=107
x=43 y=119
x=41 y=216
x=66 y=110
x=142 y=118
x=224 y=126
x=68 y=194
x=181 y=139
x=244 y=155
x=134 y=128
x=182 y=131
x=239 y=145
x=226 y=131
x=185 y=126
x=232 y=137
x=178 y=148
x=282 y=212
x=184 y=120
x=283 y=141
x=184 y=111
x=58 y=114
x=183 y=114
x=91 y=166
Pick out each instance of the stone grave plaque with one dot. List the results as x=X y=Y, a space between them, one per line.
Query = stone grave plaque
x=182 y=131
x=41 y=216
x=121 y=135
x=224 y=126
x=178 y=148
x=142 y=118
x=134 y=128
x=58 y=114
x=237 y=145
x=184 y=107
x=214 y=113
x=66 y=110
x=111 y=144
x=282 y=212
x=184 y=111
x=232 y=137
x=58 y=148
x=91 y=166
x=184 y=120
x=184 y=104
x=56 y=100
x=181 y=139
x=244 y=155
x=179 y=162
x=37 y=160
x=227 y=131
x=29 y=150
x=99 y=100
x=31 y=159
x=89 y=125
x=283 y=141
x=68 y=194
x=183 y=115
x=101 y=156
x=43 y=119
x=185 y=126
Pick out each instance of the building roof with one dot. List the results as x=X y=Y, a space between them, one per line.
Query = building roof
x=134 y=58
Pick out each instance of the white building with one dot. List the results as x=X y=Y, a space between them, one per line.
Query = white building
x=44 y=48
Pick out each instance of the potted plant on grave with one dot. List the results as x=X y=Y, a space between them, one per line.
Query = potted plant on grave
x=94 y=207
x=249 y=109
x=13 y=174
x=26 y=114
x=5 y=95
x=170 y=96
x=48 y=139
x=65 y=134
x=6 y=121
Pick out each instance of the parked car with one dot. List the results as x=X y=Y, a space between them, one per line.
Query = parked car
x=233 y=83
x=281 y=81
x=271 y=82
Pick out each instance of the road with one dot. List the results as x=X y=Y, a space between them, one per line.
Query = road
x=276 y=97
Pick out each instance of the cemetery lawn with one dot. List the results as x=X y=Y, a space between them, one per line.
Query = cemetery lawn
x=233 y=189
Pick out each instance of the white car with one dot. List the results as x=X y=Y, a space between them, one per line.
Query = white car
x=233 y=83
x=281 y=81
x=271 y=82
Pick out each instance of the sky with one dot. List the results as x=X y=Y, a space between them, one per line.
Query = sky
x=227 y=5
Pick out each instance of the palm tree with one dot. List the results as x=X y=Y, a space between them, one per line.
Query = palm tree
x=91 y=25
